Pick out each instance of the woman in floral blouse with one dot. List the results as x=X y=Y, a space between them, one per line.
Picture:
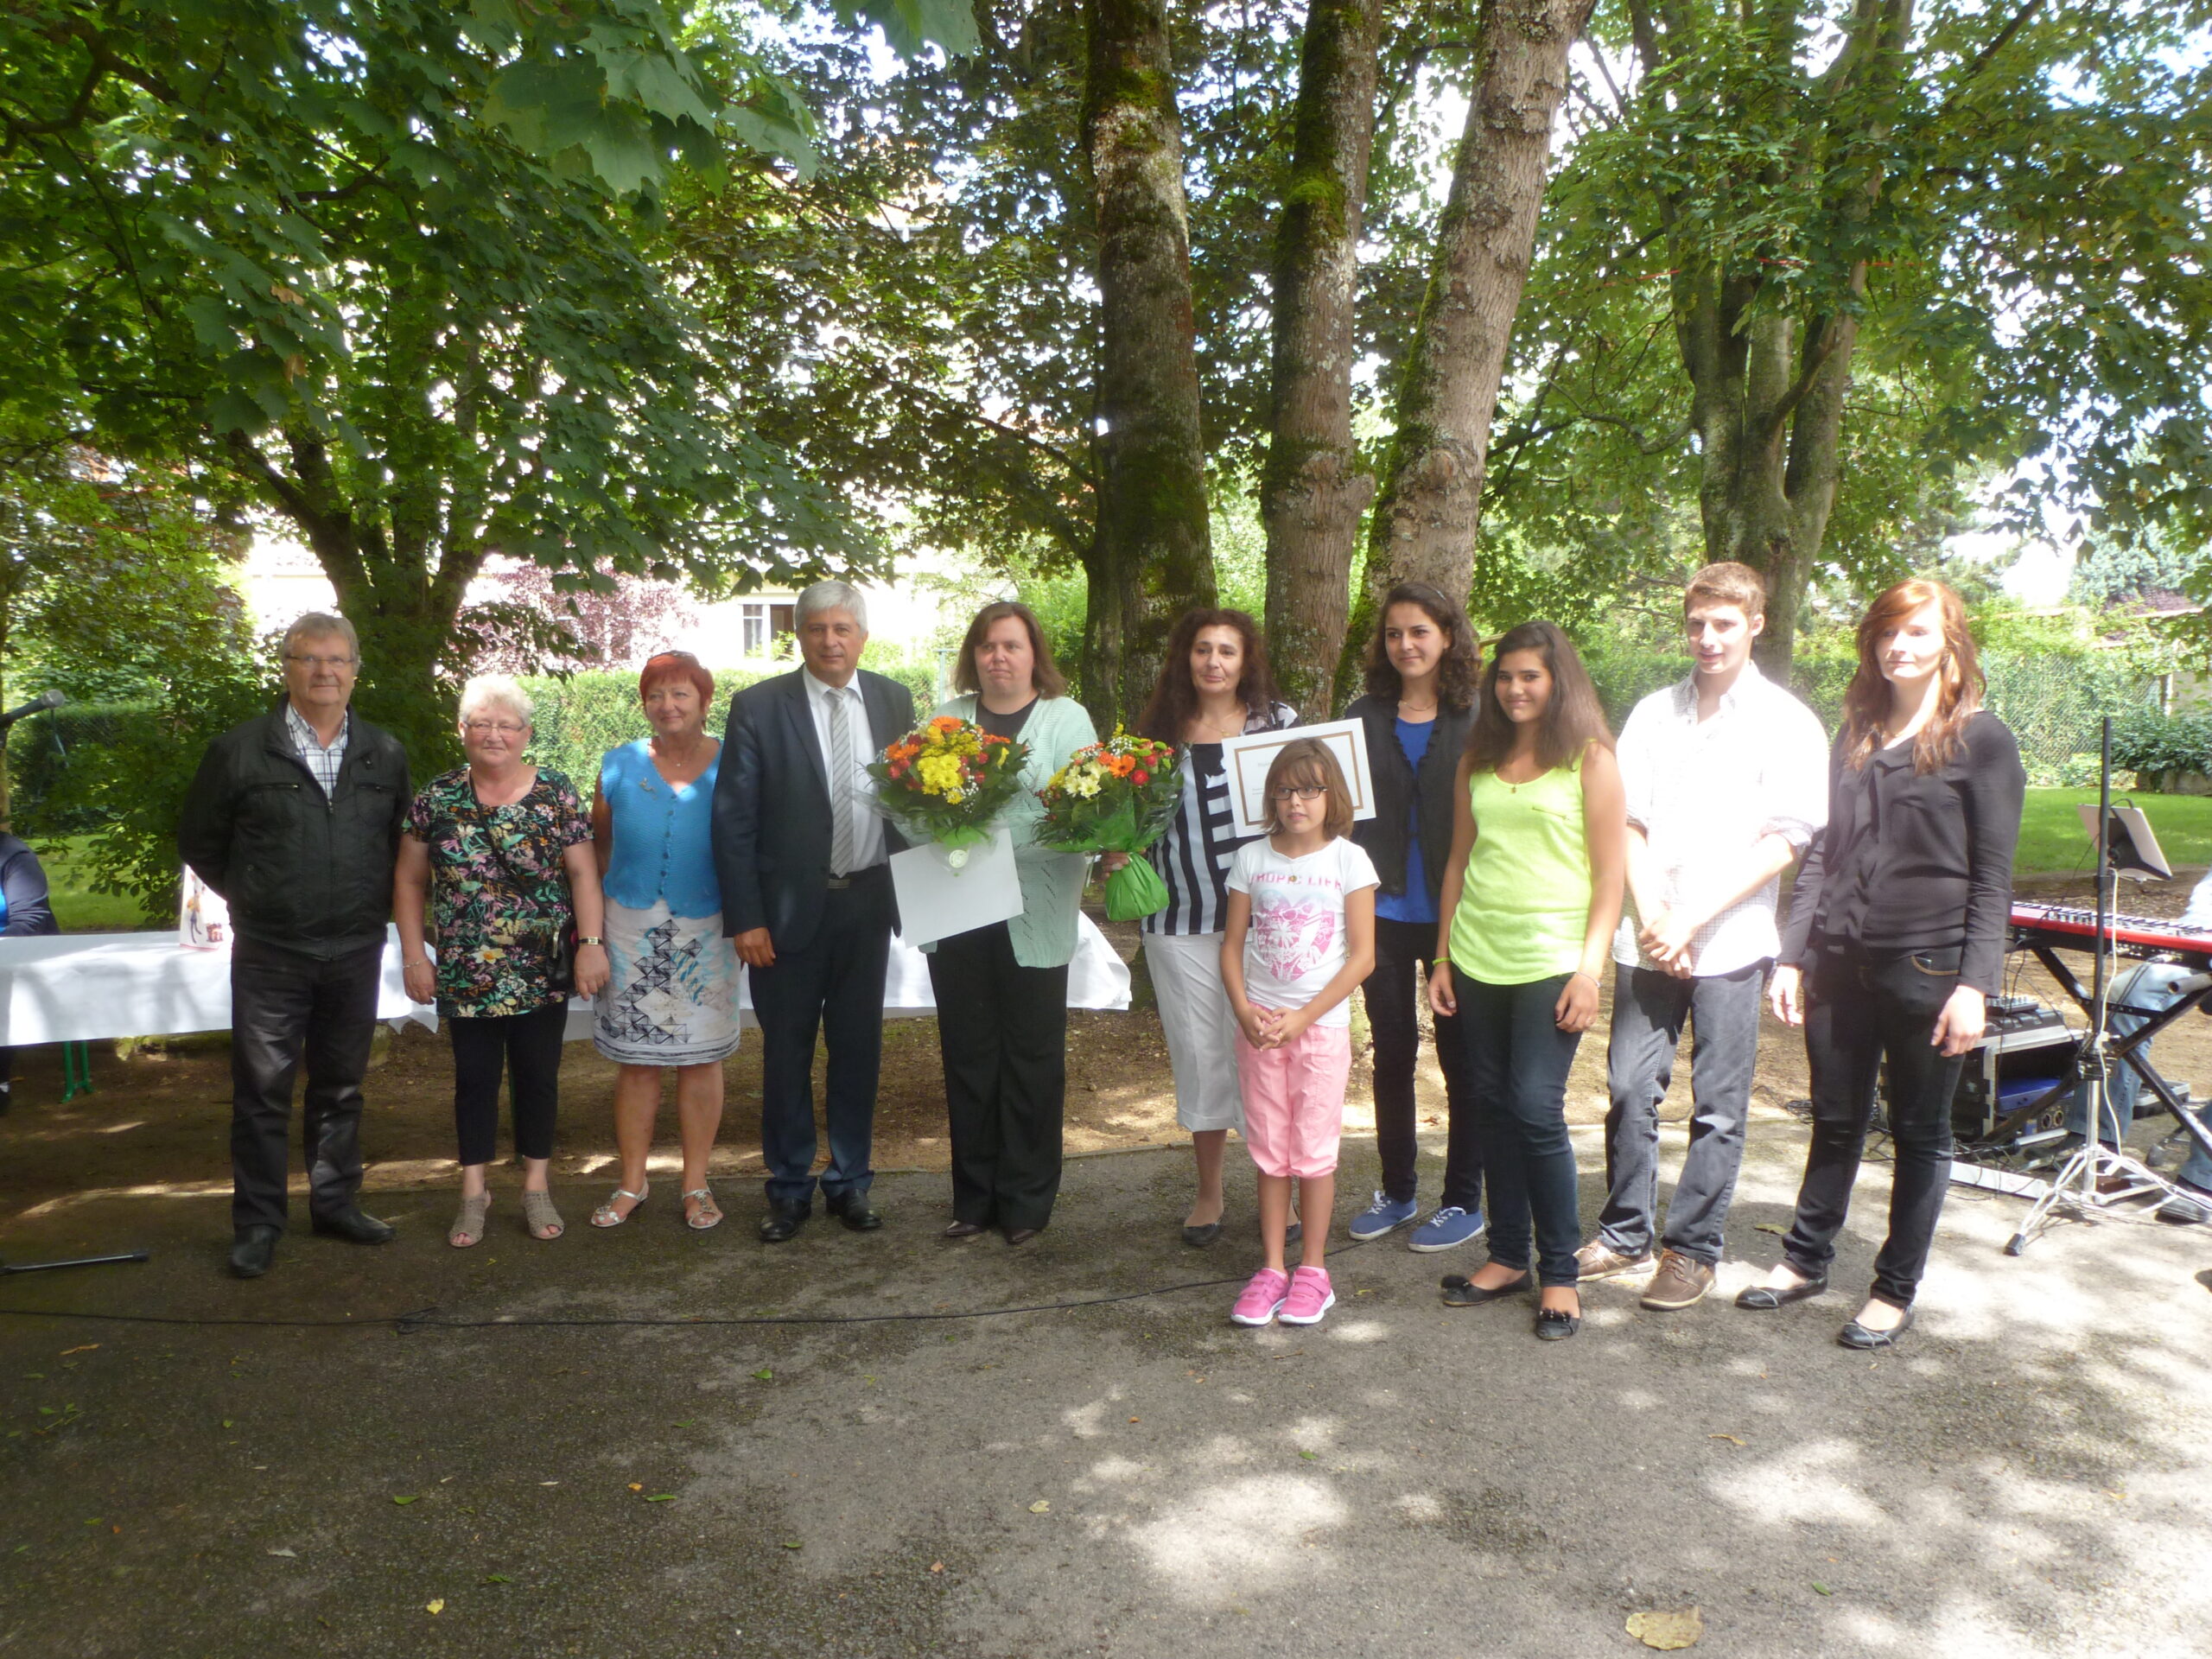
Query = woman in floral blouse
x=499 y=854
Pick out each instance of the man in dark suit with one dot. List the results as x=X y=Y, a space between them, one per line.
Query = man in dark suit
x=801 y=854
x=293 y=817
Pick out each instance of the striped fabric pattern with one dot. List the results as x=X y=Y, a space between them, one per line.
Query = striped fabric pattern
x=1193 y=856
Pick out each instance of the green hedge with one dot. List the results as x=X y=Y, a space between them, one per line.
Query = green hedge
x=2146 y=740
x=581 y=717
x=48 y=792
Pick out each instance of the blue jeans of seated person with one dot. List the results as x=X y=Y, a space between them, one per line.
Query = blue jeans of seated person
x=2144 y=991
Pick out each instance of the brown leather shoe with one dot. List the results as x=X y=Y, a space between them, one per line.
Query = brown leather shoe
x=1680 y=1282
x=1598 y=1260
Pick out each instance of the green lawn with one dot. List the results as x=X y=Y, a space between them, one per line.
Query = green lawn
x=2052 y=841
x=81 y=911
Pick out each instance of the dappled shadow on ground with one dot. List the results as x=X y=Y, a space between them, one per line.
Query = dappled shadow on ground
x=1128 y=1475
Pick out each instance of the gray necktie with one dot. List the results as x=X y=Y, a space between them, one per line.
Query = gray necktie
x=841 y=786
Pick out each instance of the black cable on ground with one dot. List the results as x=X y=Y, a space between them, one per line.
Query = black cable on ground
x=423 y=1319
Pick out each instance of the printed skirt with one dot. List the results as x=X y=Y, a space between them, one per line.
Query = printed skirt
x=671 y=997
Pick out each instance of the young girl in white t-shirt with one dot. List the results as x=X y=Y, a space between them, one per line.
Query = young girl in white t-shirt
x=1301 y=936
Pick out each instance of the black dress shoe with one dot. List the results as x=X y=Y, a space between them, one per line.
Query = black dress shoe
x=853 y=1209
x=1021 y=1235
x=1556 y=1324
x=1459 y=1290
x=1866 y=1340
x=1765 y=1299
x=964 y=1230
x=782 y=1221
x=1201 y=1235
x=254 y=1250
x=351 y=1224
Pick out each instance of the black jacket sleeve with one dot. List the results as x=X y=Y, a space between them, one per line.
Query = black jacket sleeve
x=1805 y=891
x=203 y=830
x=1996 y=790
x=737 y=820
x=22 y=880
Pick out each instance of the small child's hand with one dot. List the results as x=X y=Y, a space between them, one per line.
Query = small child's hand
x=1290 y=1026
x=1252 y=1022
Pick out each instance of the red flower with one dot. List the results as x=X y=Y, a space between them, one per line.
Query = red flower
x=1140 y=777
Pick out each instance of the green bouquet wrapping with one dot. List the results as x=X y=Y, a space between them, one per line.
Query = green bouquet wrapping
x=1116 y=797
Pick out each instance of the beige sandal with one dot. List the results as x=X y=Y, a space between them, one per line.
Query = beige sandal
x=468 y=1229
x=708 y=1214
x=540 y=1217
x=607 y=1216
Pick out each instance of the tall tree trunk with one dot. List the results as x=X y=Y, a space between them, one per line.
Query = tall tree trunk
x=1424 y=527
x=1152 y=556
x=1767 y=384
x=1312 y=492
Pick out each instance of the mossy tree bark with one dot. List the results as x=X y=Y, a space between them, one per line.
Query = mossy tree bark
x=1768 y=369
x=1151 y=556
x=1424 y=527
x=1312 y=492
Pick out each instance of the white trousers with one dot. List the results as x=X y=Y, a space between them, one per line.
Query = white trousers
x=1201 y=1032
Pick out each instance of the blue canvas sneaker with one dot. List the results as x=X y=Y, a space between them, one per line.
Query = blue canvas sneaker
x=1447 y=1230
x=1384 y=1216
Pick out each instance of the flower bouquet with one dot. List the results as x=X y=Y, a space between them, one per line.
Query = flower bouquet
x=1116 y=797
x=947 y=782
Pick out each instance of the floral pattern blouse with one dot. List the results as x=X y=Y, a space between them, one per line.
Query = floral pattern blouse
x=500 y=903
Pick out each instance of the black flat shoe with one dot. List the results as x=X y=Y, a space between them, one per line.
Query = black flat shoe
x=1556 y=1324
x=853 y=1210
x=1856 y=1335
x=782 y=1221
x=1459 y=1290
x=255 y=1249
x=1201 y=1235
x=1021 y=1235
x=1765 y=1299
x=963 y=1229
x=350 y=1224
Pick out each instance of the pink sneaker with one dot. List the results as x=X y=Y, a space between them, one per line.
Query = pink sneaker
x=1261 y=1297
x=1311 y=1296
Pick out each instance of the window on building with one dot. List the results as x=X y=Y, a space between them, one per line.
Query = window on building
x=767 y=623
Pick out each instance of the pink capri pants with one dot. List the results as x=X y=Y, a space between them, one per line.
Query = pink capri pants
x=1295 y=1100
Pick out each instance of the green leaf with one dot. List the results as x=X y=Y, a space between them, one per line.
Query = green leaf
x=496 y=1577
x=660 y=1498
x=764 y=1375
x=408 y=1497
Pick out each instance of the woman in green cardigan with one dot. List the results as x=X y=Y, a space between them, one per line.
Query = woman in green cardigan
x=1002 y=990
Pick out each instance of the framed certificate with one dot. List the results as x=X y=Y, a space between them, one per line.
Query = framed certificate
x=1249 y=758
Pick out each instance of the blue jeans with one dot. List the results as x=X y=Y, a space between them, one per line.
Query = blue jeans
x=1517 y=1062
x=2144 y=991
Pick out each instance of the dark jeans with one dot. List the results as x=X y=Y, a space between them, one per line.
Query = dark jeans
x=1002 y=1030
x=1649 y=1009
x=1861 y=1009
x=286 y=1006
x=527 y=1046
x=1517 y=1061
x=1403 y=949
x=834 y=986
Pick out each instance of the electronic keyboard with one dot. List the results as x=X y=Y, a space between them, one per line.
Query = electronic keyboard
x=2071 y=928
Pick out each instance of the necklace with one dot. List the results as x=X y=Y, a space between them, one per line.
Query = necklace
x=1429 y=708
x=1215 y=730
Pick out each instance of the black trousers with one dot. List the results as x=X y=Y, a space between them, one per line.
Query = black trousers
x=1861 y=1009
x=527 y=1048
x=834 y=988
x=1402 y=953
x=1002 y=1030
x=287 y=1006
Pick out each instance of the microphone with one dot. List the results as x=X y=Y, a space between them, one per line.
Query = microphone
x=37 y=705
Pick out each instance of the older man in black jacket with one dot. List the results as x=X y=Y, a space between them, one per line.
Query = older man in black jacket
x=294 y=818
x=806 y=894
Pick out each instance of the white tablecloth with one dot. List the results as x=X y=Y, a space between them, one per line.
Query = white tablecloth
x=81 y=987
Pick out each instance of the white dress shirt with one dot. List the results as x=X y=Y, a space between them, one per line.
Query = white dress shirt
x=858 y=787
x=1705 y=793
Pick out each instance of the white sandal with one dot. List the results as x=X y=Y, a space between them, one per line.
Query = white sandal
x=709 y=1213
x=607 y=1216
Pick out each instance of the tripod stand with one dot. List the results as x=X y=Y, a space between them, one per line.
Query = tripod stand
x=2097 y=1176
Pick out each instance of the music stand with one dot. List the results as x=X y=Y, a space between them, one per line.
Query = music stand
x=2098 y=1176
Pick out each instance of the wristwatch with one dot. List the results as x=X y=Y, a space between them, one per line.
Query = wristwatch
x=590 y=940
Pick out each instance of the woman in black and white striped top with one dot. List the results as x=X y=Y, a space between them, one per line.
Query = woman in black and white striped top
x=1214 y=686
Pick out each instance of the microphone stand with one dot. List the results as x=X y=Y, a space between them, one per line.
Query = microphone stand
x=2096 y=1176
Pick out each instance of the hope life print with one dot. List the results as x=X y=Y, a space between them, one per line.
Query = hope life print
x=1293 y=939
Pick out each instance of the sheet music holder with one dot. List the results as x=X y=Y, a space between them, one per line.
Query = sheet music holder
x=2134 y=844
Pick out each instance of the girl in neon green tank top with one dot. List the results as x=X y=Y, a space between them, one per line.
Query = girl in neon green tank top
x=1532 y=894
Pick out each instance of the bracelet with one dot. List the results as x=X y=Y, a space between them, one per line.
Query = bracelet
x=1584 y=973
x=420 y=962
x=592 y=939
